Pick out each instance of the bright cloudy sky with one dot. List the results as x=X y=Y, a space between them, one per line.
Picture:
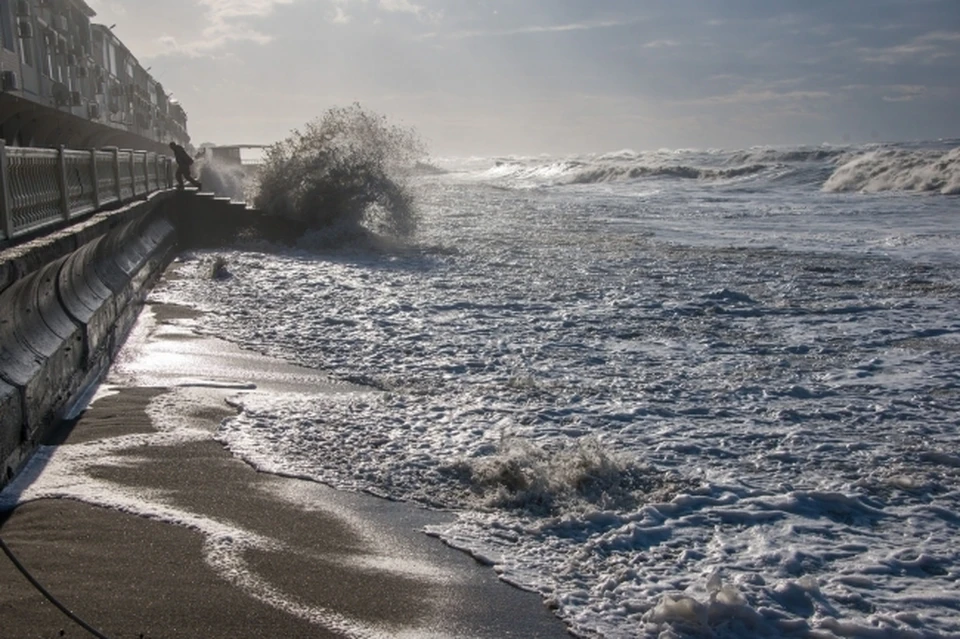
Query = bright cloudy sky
x=558 y=76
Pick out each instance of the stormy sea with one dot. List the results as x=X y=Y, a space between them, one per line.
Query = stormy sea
x=676 y=393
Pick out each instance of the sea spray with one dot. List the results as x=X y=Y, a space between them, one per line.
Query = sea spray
x=344 y=169
x=224 y=179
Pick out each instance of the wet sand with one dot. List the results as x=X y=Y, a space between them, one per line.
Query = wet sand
x=143 y=529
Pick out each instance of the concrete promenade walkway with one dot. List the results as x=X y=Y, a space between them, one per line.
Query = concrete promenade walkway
x=144 y=526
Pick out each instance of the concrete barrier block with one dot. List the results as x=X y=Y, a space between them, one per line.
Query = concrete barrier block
x=87 y=299
x=58 y=339
x=81 y=294
x=18 y=361
x=41 y=349
x=159 y=237
x=135 y=250
x=7 y=275
x=48 y=301
x=106 y=268
x=11 y=428
x=125 y=321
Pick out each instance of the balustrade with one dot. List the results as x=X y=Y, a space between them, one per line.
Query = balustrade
x=41 y=188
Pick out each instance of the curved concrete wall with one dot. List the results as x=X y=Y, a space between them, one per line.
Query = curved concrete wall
x=67 y=301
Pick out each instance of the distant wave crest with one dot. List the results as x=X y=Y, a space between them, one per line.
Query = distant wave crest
x=876 y=167
x=898 y=170
x=615 y=173
x=768 y=155
x=600 y=170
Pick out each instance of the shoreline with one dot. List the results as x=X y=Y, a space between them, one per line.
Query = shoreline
x=142 y=524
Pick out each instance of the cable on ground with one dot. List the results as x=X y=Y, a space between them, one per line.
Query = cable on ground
x=43 y=591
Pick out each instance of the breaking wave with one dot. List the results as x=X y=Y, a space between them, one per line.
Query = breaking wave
x=803 y=165
x=868 y=168
x=346 y=169
x=770 y=155
x=522 y=475
x=600 y=171
x=899 y=170
x=617 y=173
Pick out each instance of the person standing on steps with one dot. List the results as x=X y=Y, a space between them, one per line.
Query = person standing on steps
x=183 y=165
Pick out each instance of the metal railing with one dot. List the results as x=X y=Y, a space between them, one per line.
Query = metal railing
x=40 y=188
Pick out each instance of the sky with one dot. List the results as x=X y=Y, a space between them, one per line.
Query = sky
x=494 y=77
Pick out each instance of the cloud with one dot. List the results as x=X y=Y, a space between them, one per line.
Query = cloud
x=905 y=93
x=222 y=9
x=661 y=44
x=401 y=6
x=340 y=15
x=754 y=96
x=933 y=45
x=227 y=21
x=532 y=29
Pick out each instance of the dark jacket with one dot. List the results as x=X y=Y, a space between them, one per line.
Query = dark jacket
x=183 y=159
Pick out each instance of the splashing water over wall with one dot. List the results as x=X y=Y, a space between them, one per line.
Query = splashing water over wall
x=345 y=169
x=229 y=180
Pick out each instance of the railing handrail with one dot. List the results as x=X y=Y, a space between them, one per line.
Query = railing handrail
x=42 y=187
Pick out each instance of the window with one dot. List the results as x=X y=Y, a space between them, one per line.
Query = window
x=46 y=52
x=6 y=25
x=26 y=51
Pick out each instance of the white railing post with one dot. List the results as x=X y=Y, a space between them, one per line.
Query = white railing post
x=96 y=179
x=6 y=215
x=116 y=173
x=62 y=176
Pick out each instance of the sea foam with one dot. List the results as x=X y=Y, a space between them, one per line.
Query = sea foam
x=782 y=360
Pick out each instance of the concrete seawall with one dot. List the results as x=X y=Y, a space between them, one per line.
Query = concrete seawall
x=67 y=302
x=69 y=299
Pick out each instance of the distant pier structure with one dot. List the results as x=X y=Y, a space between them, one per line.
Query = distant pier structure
x=65 y=80
x=236 y=154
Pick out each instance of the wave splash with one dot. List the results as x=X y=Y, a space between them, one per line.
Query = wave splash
x=345 y=169
x=225 y=179
x=899 y=170
x=520 y=475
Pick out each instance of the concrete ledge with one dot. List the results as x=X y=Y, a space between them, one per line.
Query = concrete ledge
x=21 y=260
x=204 y=220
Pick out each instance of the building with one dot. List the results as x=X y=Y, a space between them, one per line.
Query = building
x=65 y=80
